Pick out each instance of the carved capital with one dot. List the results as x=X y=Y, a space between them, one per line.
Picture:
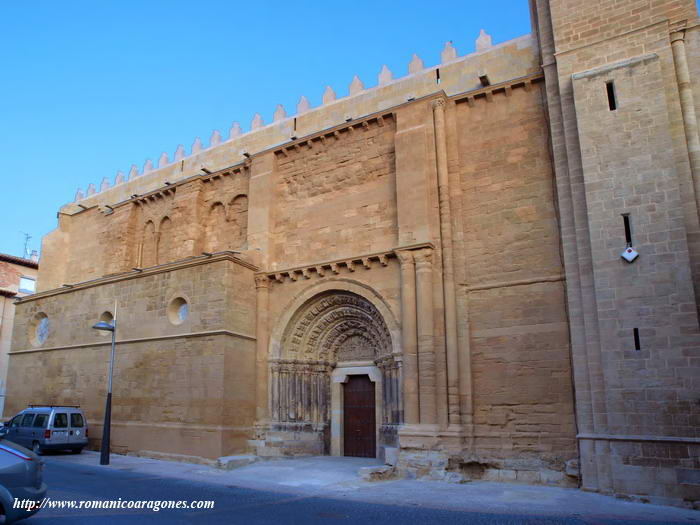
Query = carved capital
x=423 y=258
x=262 y=281
x=439 y=104
x=405 y=257
x=678 y=36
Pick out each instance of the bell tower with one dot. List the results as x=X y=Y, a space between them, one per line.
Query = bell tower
x=622 y=94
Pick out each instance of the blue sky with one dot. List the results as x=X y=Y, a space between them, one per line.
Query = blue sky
x=89 y=88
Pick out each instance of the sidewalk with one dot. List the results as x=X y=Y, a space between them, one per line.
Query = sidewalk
x=336 y=477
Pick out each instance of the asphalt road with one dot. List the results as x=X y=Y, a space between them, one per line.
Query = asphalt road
x=234 y=505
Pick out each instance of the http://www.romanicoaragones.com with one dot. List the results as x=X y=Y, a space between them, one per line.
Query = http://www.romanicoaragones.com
x=154 y=505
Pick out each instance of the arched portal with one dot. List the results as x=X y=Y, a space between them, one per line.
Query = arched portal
x=332 y=336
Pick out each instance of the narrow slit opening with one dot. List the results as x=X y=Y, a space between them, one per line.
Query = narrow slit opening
x=637 y=346
x=628 y=229
x=295 y=123
x=437 y=76
x=612 y=99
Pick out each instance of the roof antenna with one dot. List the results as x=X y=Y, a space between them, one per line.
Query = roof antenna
x=25 y=253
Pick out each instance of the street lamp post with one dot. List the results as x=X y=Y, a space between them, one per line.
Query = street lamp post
x=104 y=450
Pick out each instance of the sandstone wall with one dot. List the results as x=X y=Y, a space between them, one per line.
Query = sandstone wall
x=336 y=198
x=512 y=288
x=633 y=157
x=577 y=24
x=10 y=275
x=178 y=388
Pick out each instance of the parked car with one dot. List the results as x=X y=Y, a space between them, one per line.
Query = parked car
x=41 y=428
x=21 y=478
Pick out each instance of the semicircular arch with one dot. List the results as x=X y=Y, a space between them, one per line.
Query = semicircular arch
x=320 y=324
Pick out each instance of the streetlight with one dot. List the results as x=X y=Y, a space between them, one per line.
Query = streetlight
x=104 y=450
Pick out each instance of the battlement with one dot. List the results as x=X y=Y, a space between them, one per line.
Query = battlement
x=454 y=75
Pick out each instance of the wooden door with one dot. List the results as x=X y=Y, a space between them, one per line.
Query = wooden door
x=359 y=423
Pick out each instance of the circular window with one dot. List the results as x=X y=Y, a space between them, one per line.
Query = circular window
x=39 y=329
x=105 y=317
x=178 y=310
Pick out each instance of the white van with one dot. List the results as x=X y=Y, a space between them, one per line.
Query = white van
x=41 y=428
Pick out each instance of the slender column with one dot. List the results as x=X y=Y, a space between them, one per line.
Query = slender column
x=690 y=123
x=139 y=258
x=409 y=337
x=284 y=392
x=448 y=274
x=399 y=392
x=426 y=345
x=275 y=388
x=262 y=284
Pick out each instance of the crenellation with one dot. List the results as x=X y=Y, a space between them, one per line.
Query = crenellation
x=179 y=153
x=197 y=146
x=385 y=76
x=334 y=104
x=235 y=131
x=257 y=122
x=280 y=113
x=328 y=95
x=163 y=160
x=356 y=86
x=415 y=65
x=449 y=53
x=483 y=43
x=303 y=106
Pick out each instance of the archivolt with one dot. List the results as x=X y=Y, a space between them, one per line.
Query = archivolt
x=336 y=325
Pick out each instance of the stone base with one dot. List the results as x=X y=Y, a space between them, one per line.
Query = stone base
x=429 y=453
x=234 y=462
x=183 y=458
x=421 y=454
x=391 y=456
x=381 y=473
x=425 y=464
x=290 y=440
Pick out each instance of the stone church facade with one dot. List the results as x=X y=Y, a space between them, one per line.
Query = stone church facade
x=427 y=271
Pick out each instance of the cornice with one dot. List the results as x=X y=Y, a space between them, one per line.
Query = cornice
x=137 y=273
x=351 y=264
x=379 y=119
x=506 y=87
x=185 y=335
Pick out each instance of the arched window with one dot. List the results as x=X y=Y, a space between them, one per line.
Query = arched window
x=148 y=245
x=239 y=220
x=165 y=240
x=215 y=229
